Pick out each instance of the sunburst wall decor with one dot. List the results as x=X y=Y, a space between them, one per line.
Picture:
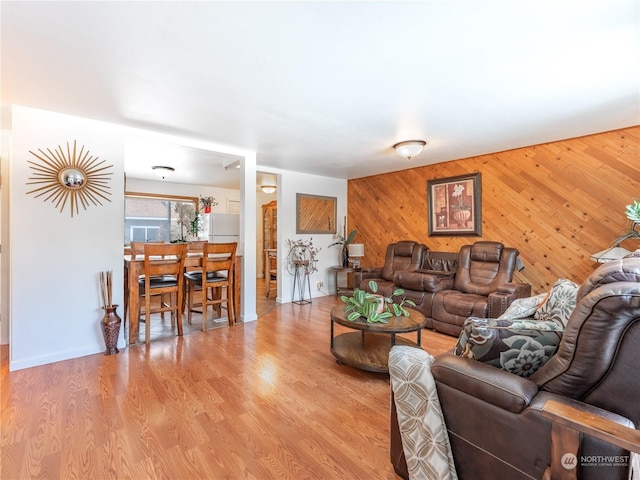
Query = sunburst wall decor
x=72 y=177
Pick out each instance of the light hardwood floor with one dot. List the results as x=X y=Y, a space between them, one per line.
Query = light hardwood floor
x=261 y=400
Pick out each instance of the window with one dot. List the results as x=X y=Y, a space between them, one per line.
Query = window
x=152 y=218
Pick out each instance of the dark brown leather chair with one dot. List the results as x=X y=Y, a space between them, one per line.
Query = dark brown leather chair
x=485 y=271
x=405 y=255
x=494 y=418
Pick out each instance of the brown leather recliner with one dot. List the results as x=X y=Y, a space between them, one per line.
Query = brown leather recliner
x=494 y=418
x=405 y=255
x=482 y=281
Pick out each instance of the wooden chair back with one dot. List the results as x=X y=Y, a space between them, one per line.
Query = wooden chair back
x=218 y=258
x=163 y=261
x=196 y=246
x=137 y=248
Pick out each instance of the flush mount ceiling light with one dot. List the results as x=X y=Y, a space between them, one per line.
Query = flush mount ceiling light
x=409 y=148
x=268 y=188
x=163 y=172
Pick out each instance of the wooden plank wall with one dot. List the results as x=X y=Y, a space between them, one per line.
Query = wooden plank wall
x=557 y=203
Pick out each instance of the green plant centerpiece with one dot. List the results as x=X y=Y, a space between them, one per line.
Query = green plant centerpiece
x=373 y=307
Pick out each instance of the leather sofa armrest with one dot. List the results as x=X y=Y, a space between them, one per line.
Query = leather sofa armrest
x=519 y=290
x=485 y=382
x=365 y=273
x=424 y=280
x=507 y=292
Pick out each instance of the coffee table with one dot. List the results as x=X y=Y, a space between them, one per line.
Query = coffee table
x=367 y=347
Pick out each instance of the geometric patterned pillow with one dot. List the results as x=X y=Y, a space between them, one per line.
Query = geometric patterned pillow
x=560 y=304
x=517 y=346
x=523 y=307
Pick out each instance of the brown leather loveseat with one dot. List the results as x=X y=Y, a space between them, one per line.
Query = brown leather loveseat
x=446 y=286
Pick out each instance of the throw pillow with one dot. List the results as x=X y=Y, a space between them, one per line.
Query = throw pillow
x=560 y=304
x=523 y=307
x=517 y=346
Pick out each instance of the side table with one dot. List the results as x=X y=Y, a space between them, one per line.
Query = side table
x=340 y=269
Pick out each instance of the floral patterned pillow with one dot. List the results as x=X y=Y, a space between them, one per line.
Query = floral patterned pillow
x=523 y=307
x=517 y=346
x=560 y=304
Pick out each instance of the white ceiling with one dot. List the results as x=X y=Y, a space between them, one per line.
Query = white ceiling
x=328 y=87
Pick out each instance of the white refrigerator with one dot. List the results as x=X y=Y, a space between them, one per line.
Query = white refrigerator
x=224 y=228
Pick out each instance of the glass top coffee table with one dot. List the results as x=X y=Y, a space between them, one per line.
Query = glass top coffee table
x=368 y=346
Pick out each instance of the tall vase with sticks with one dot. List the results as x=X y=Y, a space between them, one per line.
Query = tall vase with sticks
x=111 y=321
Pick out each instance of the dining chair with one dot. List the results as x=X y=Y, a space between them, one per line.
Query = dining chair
x=216 y=273
x=194 y=247
x=163 y=276
x=136 y=249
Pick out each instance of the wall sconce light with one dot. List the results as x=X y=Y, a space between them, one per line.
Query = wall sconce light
x=409 y=148
x=356 y=251
x=268 y=189
x=163 y=172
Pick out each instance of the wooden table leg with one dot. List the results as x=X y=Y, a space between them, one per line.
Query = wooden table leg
x=134 y=304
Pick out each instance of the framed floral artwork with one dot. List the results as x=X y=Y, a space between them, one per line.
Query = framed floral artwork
x=455 y=206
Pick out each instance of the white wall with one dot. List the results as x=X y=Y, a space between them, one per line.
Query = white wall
x=5 y=136
x=51 y=261
x=55 y=260
x=292 y=183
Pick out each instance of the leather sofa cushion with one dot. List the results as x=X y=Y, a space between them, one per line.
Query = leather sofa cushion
x=440 y=261
x=464 y=304
x=424 y=280
x=486 y=252
x=404 y=248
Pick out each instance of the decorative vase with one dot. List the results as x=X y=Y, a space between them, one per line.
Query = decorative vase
x=111 y=329
x=345 y=256
x=461 y=216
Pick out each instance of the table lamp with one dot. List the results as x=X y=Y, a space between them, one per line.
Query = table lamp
x=356 y=251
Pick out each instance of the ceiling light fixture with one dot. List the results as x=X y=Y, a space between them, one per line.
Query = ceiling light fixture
x=163 y=172
x=268 y=188
x=409 y=148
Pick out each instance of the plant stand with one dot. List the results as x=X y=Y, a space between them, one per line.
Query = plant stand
x=301 y=280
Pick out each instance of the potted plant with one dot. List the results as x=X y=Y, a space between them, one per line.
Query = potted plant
x=373 y=307
x=206 y=203
x=187 y=216
x=344 y=241
x=195 y=227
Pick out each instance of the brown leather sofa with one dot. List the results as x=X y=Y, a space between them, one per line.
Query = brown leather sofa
x=476 y=281
x=493 y=417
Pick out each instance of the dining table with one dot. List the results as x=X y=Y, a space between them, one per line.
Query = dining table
x=134 y=268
